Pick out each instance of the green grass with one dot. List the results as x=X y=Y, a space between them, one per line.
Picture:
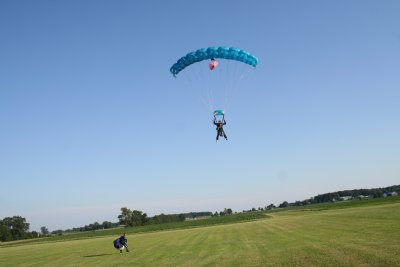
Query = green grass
x=353 y=234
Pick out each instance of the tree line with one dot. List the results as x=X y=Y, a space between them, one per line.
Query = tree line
x=334 y=196
x=90 y=227
x=16 y=227
x=131 y=218
x=341 y=195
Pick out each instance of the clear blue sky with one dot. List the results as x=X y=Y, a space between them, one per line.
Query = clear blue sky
x=91 y=120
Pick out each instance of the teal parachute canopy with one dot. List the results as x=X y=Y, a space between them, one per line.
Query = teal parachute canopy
x=219 y=112
x=231 y=53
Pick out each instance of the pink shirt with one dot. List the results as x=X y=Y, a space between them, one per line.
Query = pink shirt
x=213 y=64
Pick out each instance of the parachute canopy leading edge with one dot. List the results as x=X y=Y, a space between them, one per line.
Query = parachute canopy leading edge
x=213 y=52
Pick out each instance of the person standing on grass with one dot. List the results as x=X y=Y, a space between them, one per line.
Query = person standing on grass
x=121 y=243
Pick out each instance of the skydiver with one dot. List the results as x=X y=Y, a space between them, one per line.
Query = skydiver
x=213 y=64
x=121 y=243
x=220 y=128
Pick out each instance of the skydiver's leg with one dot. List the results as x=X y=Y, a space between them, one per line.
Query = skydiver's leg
x=118 y=246
x=225 y=135
x=217 y=136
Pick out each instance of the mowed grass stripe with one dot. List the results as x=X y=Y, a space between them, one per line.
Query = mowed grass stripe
x=303 y=246
x=317 y=246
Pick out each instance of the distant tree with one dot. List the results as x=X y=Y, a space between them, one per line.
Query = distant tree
x=377 y=193
x=136 y=219
x=96 y=226
x=5 y=233
x=298 y=203
x=284 y=204
x=166 y=218
x=181 y=217
x=159 y=218
x=18 y=227
x=33 y=234
x=144 y=219
x=107 y=225
x=216 y=213
x=44 y=231
x=57 y=232
x=228 y=211
x=150 y=221
x=126 y=217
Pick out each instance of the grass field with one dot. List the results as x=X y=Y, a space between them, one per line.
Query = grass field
x=360 y=233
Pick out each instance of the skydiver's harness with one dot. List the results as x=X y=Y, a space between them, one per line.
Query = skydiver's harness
x=220 y=126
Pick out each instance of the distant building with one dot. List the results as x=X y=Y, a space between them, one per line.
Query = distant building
x=346 y=198
x=197 y=218
x=390 y=194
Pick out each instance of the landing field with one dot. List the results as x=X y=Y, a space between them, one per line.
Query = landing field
x=366 y=234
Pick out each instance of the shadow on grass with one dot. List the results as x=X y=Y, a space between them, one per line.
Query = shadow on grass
x=98 y=255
